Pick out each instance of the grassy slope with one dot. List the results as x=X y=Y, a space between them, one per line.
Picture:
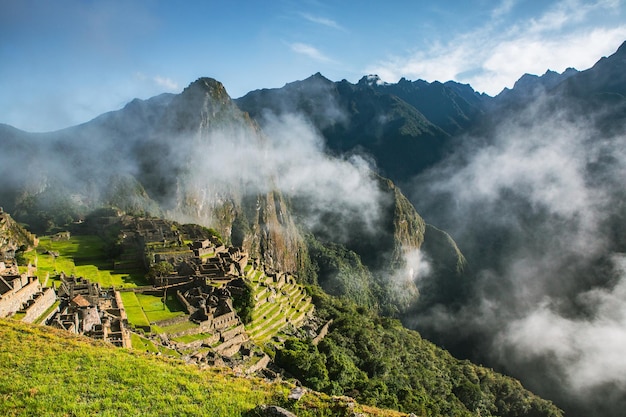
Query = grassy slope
x=48 y=372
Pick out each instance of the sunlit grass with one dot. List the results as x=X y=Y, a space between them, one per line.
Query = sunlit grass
x=134 y=311
x=48 y=372
x=156 y=310
x=84 y=256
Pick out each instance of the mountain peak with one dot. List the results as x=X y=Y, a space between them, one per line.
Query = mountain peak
x=371 y=80
x=318 y=76
x=207 y=85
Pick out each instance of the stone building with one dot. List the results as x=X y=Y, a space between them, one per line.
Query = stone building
x=87 y=309
x=23 y=293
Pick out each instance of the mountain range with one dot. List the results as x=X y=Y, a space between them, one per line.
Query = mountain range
x=520 y=198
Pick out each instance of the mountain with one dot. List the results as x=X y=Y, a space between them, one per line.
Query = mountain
x=605 y=77
x=406 y=126
x=530 y=85
x=534 y=195
x=196 y=157
x=530 y=185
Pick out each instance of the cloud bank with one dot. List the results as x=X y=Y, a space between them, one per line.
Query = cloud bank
x=537 y=207
x=498 y=53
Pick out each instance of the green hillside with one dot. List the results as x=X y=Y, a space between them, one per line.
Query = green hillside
x=370 y=358
x=377 y=361
x=47 y=372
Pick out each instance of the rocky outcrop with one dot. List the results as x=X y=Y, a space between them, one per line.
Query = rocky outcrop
x=13 y=237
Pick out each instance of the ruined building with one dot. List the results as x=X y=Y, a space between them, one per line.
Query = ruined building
x=89 y=310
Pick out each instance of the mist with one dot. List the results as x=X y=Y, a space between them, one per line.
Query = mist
x=537 y=207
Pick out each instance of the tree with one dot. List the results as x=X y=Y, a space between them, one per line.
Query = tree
x=160 y=269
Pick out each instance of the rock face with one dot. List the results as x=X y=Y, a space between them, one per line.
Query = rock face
x=13 y=237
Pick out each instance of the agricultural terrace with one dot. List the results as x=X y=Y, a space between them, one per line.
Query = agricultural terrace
x=81 y=255
x=276 y=306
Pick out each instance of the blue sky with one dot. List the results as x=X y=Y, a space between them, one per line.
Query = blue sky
x=63 y=62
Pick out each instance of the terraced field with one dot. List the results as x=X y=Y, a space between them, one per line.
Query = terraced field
x=84 y=256
x=277 y=306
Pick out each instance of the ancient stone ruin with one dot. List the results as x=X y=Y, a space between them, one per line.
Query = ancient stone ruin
x=22 y=294
x=88 y=309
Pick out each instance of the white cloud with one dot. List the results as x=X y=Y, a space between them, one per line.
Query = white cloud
x=167 y=83
x=495 y=56
x=588 y=350
x=310 y=51
x=504 y=8
x=157 y=81
x=322 y=21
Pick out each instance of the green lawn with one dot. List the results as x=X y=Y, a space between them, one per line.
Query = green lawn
x=143 y=309
x=155 y=310
x=134 y=311
x=82 y=256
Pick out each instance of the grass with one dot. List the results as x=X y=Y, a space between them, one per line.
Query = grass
x=175 y=328
x=48 y=372
x=144 y=344
x=155 y=310
x=134 y=311
x=192 y=337
x=82 y=255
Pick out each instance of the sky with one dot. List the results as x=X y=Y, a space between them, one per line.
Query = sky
x=64 y=62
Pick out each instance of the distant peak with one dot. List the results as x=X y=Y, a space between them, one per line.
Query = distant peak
x=318 y=77
x=207 y=85
x=621 y=50
x=371 y=79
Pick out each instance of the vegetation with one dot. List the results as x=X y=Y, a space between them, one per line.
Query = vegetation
x=160 y=269
x=379 y=362
x=341 y=273
x=244 y=304
x=48 y=372
x=365 y=356
x=81 y=255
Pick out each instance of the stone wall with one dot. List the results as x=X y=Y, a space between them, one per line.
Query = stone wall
x=190 y=309
x=40 y=305
x=120 y=305
x=261 y=364
x=12 y=301
x=232 y=333
x=231 y=346
x=172 y=321
x=225 y=320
